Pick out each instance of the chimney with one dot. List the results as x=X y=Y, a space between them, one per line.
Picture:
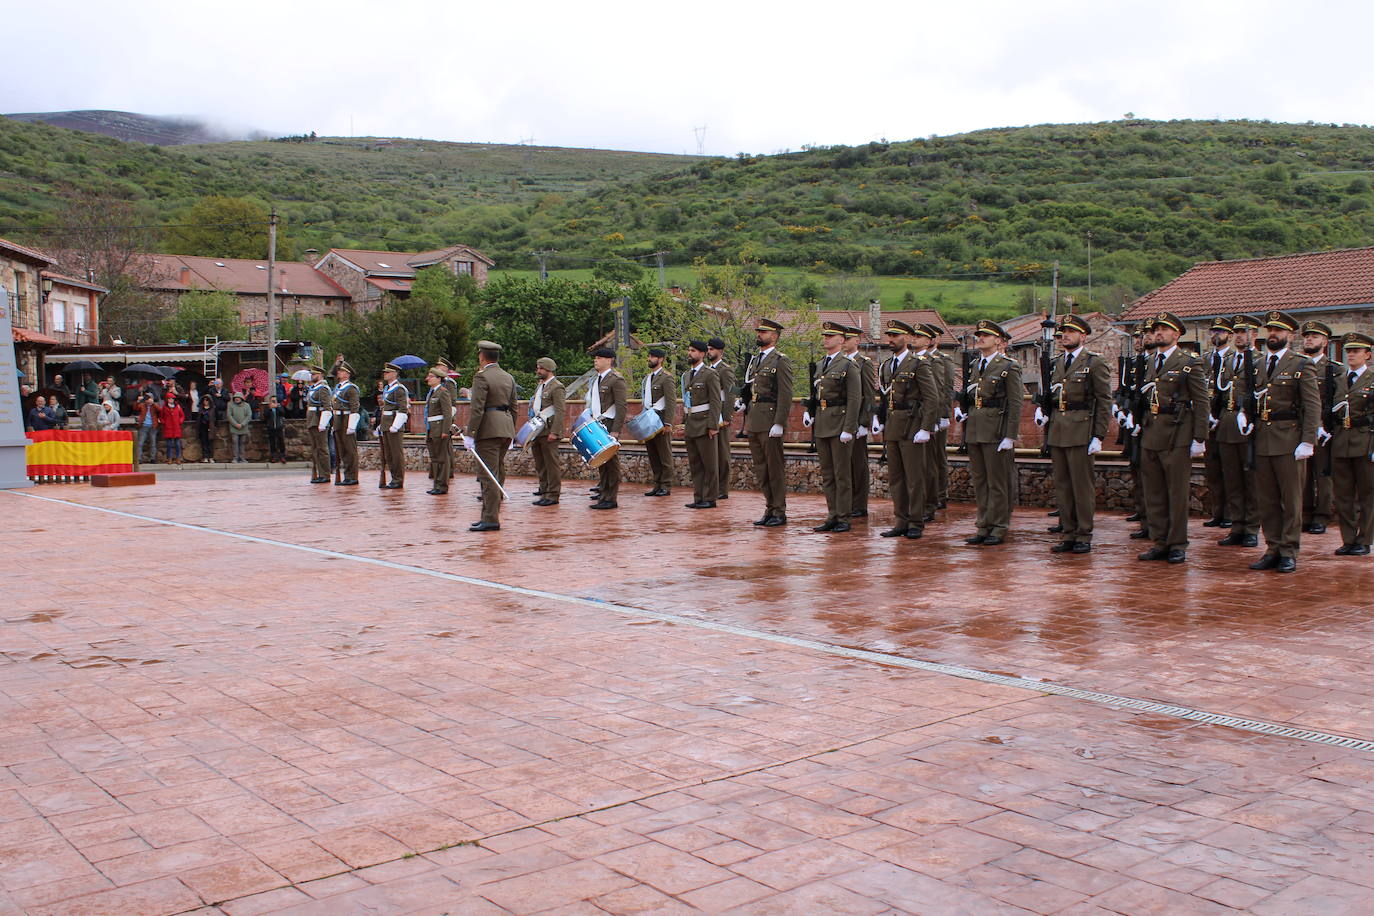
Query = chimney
x=312 y=256
x=185 y=276
x=875 y=320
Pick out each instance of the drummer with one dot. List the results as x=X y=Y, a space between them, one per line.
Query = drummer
x=548 y=405
x=606 y=399
x=659 y=396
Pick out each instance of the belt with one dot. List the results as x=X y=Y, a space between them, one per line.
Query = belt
x=1078 y=405
x=1281 y=415
x=1173 y=408
x=1360 y=422
x=502 y=407
x=698 y=408
x=994 y=402
x=840 y=403
x=760 y=400
x=907 y=405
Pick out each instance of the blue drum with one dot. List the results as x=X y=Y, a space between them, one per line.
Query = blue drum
x=526 y=434
x=644 y=425
x=593 y=443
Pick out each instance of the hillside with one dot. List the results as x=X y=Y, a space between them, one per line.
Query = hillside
x=996 y=205
x=132 y=127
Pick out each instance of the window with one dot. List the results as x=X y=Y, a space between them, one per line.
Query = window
x=79 y=317
x=59 y=315
x=462 y=268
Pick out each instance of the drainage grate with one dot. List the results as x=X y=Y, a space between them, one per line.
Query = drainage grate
x=881 y=658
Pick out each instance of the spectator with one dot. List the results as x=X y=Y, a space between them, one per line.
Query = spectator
x=193 y=400
x=61 y=386
x=90 y=415
x=274 y=418
x=147 y=419
x=59 y=413
x=205 y=430
x=172 y=419
x=110 y=391
x=283 y=387
x=40 y=415
x=108 y=420
x=219 y=398
x=239 y=416
x=89 y=394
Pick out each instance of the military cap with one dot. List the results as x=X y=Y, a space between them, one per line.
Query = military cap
x=316 y=367
x=443 y=362
x=1141 y=327
x=853 y=332
x=1357 y=340
x=658 y=351
x=1280 y=320
x=934 y=329
x=1222 y=323
x=343 y=364
x=393 y=367
x=489 y=345
x=546 y=362
x=716 y=343
x=1244 y=323
x=924 y=330
x=604 y=352
x=698 y=345
x=985 y=326
x=768 y=324
x=1168 y=320
x=832 y=327
x=1075 y=323
x=897 y=326
x=438 y=372
x=1316 y=327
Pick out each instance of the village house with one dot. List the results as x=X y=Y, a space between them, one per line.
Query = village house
x=1334 y=287
x=21 y=271
x=370 y=275
x=1026 y=335
x=70 y=308
x=301 y=290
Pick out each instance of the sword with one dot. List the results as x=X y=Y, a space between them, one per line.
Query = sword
x=483 y=465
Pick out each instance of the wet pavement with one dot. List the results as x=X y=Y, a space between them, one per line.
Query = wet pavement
x=191 y=721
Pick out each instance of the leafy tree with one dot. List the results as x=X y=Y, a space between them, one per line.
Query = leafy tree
x=451 y=296
x=225 y=227
x=396 y=327
x=617 y=271
x=531 y=318
x=203 y=313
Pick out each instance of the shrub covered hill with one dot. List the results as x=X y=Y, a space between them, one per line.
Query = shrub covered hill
x=1149 y=197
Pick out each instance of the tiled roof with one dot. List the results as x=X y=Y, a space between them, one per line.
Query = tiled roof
x=1297 y=282
x=27 y=253
x=64 y=280
x=24 y=335
x=391 y=284
x=1026 y=329
x=401 y=263
x=240 y=276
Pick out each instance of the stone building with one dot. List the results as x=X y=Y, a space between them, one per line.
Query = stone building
x=21 y=270
x=70 y=309
x=301 y=290
x=370 y=275
x=1106 y=340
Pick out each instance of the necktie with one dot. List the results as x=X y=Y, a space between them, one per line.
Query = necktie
x=1350 y=379
x=983 y=365
x=825 y=364
x=1273 y=361
x=1216 y=362
x=1159 y=363
x=1068 y=361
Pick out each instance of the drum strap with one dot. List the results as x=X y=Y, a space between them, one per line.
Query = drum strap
x=545 y=413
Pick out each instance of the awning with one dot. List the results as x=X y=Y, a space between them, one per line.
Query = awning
x=24 y=335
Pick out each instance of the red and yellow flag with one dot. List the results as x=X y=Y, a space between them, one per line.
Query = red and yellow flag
x=78 y=453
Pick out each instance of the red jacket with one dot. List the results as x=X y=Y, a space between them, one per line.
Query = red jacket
x=171 y=419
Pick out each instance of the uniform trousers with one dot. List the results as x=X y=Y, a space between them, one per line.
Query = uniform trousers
x=347 y=446
x=660 y=452
x=768 y=470
x=1354 y=479
x=1241 y=508
x=1317 y=490
x=836 y=477
x=1214 y=473
x=493 y=455
x=1278 y=492
x=1074 y=492
x=319 y=450
x=608 y=479
x=723 y=459
x=1167 y=476
x=906 y=482
x=394 y=456
x=440 y=459
x=702 y=460
x=941 y=455
x=991 y=471
x=546 y=466
x=859 y=476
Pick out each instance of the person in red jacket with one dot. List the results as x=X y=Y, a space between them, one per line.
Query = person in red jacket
x=171 y=420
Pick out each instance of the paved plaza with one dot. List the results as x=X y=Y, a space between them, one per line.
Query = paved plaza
x=249 y=696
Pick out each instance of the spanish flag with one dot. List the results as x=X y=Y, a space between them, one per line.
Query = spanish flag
x=78 y=453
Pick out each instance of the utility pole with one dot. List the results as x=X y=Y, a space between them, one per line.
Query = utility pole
x=543 y=257
x=271 y=298
x=1054 y=291
x=662 y=283
x=1090 y=268
x=701 y=139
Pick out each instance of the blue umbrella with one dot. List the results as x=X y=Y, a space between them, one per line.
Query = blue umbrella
x=409 y=362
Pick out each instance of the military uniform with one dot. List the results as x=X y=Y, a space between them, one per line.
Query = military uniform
x=701 y=406
x=550 y=405
x=1213 y=472
x=1352 y=455
x=725 y=374
x=1331 y=385
x=1080 y=406
x=838 y=394
x=438 y=436
x=769 y=376
x=346 y=407
x=859 y=474
x=911 y=398
x=1289 y=414
x=1136 y=409
x=937 y=486
x=1232 y=441
x=317 y=416
x=393 y=407
x=1176 y=417
x=491 y=426
x=993 y=422
x=608 y=396
x=658 y=394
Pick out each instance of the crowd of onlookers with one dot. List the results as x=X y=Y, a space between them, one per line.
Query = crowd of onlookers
x=162 y=409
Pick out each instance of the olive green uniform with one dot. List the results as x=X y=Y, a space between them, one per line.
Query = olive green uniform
x=859 y=474
x=1289 y=413
x=491 y=426
x=1233 y=444
x=438 y=435
x=770 y=377
x=550 y=405
x=346 y=407
x=1352 y=461
x=701 y=405
x=1316 y=491
x=995 y=415
x=937 y=467
x=912 y=397
x=612 y=395
x=725 y=374
x=1081 y=405
x=317 y=399
x=393 y=407
x=658 y=386
x=1213 y=470
x=839 y=392
x=1175 y=418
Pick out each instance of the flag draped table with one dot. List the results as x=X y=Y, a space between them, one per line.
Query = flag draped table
x=78 y=453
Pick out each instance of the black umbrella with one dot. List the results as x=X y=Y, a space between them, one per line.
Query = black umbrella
x=81 y=365
x=168 y=371
x=142 y=369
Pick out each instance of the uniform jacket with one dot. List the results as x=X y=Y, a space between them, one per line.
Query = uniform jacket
x=701 y=403
x=346 y=400
x=1356 y=440
x=725 y=374
x=492 y=414
x=661 y=388
x=839 y=388
x=614 y=394
x=553 y=407
x=1176 y=411
x=771 y=404
x=912 y=397
x=996 y=403
x=439 y=411
x=394 y=399
x=1082 y=401
x=1331 y=387
x=1289 y=405
x=868 y=397
x=317 y=398
x=944 y=378
x=1232 y=390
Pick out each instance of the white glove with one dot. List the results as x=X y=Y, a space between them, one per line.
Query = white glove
x=469 y=443
x=1323 y=436
x=353 y=419
x=1303 y=451
x=1004 y=445
x=1197 y=448
x=1119 y=415
x=960 y=415
x=944 y=422
x=1212 y=422
x=775 y=431
x=806 y=419
x=1130 y=421
x=325 y=417
x=877 y=427
x=1094 y=445
x=846 y=437
x=739 y=404
x=922 y=435
x=399 y=422
x=1242 y=423
x=1040 y=418
x=863 y=432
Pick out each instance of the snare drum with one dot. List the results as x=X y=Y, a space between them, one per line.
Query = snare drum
x=644 y=425
x=593 y=443
x=527 y=433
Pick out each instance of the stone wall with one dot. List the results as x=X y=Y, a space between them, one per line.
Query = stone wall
x=297 y=443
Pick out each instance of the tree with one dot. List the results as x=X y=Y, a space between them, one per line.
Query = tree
x=451 y=296
x=200 y=314
x=396 y=327
x=531 y=318
x=617 y=271
x=226 y=227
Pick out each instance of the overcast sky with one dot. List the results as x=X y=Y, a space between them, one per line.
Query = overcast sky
x=760 y=77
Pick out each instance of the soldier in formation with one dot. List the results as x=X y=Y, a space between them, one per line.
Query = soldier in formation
x=702 y=404
x=549 y=404
x=768 y=378
x=836 y=398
